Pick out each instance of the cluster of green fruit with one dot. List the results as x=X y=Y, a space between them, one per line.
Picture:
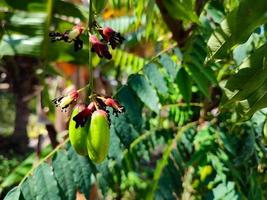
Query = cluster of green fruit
x=92 y=137
x=89 y=131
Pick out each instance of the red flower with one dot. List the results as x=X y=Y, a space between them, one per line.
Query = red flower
x=85 y=114
x=112 y=37
x=100 y=48
x=103 y=102
x=114 y=104
x=64 y=101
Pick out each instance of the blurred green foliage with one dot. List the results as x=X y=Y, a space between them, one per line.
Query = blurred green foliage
x=7 y=109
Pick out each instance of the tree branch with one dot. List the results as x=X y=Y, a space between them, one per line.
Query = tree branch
x=175 y=26
x=180 y=35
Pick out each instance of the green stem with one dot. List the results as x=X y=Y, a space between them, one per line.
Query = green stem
x=181 y=104
x=83 y=88
x=90 y=20
x=49 y=11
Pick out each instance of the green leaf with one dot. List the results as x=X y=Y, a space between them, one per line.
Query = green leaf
x=26 y=23
x=200 y=79
x=116 y=149
x=154 y=75
x=121 y=24
x=14 y=44
x=128 y=62
x=246 y=73
x=246 y=151
x=69 y=9
x=45 y=182
x=104 y=177
x=255 y=189
x=18 y=173
x=249 y=82
x=169 y=65
x=184 y=83
x=99 y=5
x=23 y=4
x=261 y=101
x=64 y=175
x=237 y=27
x=225 y=191
x=144 y=91
x=28 y=189
x=132 y=105
x=194 y=58
x=13 y=194
x=182 y=9
x=161 y=164
x=124 y=129
x=82 y=171
x=169 y=185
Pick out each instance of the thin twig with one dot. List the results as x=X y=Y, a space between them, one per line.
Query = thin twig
x=183 y=105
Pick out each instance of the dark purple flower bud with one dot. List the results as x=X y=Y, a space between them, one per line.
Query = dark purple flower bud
x=55 y=36
x=112 y=37
x=84 y=115
x=78 y=44
x=100 y=48
x=100 y=102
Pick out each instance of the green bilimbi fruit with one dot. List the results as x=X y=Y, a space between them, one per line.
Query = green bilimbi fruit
x=78 y=135
x=98 y=136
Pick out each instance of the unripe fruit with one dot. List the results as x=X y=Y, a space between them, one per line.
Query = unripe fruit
x=78 y=135
x=98 y=136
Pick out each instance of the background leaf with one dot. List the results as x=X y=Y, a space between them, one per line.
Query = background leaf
x=144 y=91
x=234 y=30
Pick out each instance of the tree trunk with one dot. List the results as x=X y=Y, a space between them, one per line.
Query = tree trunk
x=19 y=138
x=22 y=79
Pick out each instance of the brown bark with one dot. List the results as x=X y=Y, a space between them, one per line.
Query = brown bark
x=175 y=26
x=22 y=79
x=180 y=35
x=19 y=138
x=52 y=134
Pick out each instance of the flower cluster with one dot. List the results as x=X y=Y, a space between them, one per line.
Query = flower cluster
x=100 y=47
x=85 y=111
x=109 y=37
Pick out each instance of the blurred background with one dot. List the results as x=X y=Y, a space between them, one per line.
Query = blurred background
x=167 y=77
x=34 y=71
